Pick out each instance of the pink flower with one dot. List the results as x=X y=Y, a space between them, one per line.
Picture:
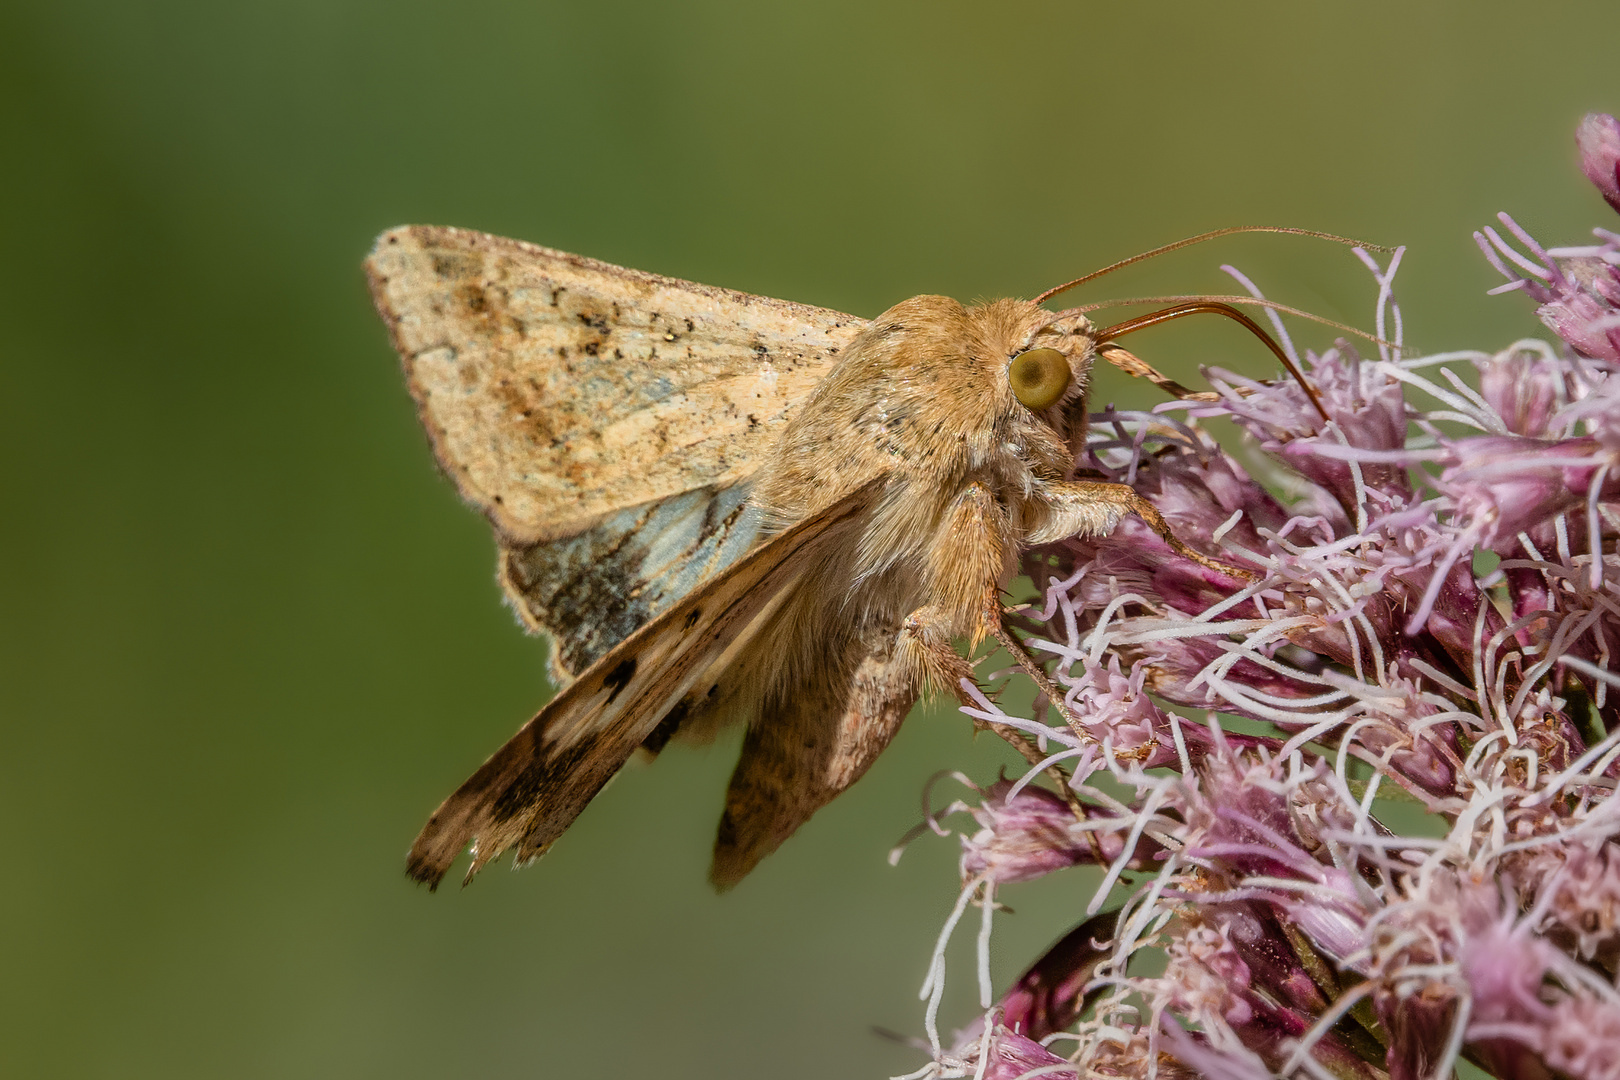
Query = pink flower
x=1585 y=320
x=1507 y=484
x=1524 y=389
x=1599 y=140
x=1012 y=1055
x=1115 y=709
x=1033 y=833
x=1409 y=851
x=1578 y=290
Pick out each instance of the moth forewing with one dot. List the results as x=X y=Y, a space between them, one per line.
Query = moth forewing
x=557 y=389
x=606 y=420
x=533 y=787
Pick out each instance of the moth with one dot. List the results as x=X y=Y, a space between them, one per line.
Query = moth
x=724 y=508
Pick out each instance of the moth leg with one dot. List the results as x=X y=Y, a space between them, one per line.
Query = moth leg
x=926 y=647
x=974 y=551
x=973 y=554
x=995 y=617
x=925 y=639
x=1093 y=508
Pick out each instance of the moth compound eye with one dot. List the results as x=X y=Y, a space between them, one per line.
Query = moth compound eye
x=1039 y=377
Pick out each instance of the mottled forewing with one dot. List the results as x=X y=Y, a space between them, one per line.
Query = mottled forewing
x=558 y=390
x=591 y=591
x=535 y=785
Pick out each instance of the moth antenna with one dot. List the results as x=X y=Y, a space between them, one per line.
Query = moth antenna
x=1214 y=307
x=1269 y=305
x=1201 y=238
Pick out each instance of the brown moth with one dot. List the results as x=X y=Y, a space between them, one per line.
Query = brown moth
x=725 y=508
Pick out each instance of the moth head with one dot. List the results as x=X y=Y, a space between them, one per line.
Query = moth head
x=1010 y=374
x=930 y=386
x=1046 y=369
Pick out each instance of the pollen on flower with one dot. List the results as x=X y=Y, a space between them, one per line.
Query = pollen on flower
x=1352 y=818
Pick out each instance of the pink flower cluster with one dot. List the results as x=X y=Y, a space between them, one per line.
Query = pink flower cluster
x=1358 y=805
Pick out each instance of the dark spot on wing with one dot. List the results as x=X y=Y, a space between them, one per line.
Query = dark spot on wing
x=540 y=781
x=691 y=618
x=619 y=677
x=659 y=737
x=448 y=264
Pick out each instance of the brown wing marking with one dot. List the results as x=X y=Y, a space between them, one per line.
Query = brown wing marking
x=557 y=389
x=809 y=743
x=591 y=591
x=532 y=788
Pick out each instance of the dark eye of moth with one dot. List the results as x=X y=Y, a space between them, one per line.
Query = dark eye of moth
x=1039 y=377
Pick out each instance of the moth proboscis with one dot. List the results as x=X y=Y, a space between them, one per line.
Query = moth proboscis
x=727 y=508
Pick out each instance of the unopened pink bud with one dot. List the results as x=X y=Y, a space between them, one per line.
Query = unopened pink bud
x=1599 y=140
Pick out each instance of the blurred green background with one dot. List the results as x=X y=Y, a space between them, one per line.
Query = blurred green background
x=250 y=637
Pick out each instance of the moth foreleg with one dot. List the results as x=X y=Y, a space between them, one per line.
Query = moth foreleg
x=925 y=644
x=972 y=558
x=995 y=617
x=1093 y=508
x=973 y=555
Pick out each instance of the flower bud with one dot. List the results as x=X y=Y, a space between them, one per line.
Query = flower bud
x=1029 y=835
x=1599 y=140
